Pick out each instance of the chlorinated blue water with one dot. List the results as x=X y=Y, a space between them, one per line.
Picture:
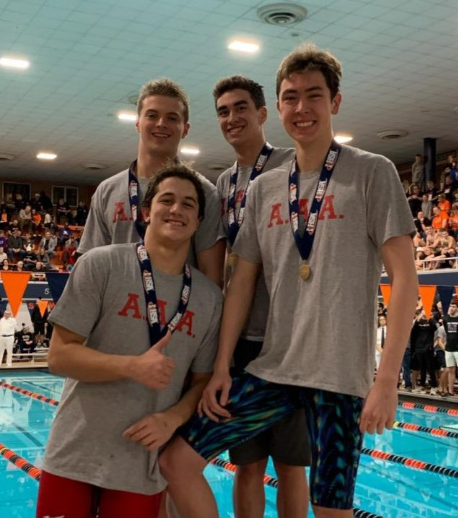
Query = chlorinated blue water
x=383 y=488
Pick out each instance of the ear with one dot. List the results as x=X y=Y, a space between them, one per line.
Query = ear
x=278 y=108
x=136 y=125
x=185 y=131
x=145 y=214
x=262 y=114
x=336 y=103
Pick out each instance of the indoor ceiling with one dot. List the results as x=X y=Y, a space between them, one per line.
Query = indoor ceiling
x=88 y=57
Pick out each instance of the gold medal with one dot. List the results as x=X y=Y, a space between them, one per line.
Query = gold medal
x=304 y=271
x=231 y=260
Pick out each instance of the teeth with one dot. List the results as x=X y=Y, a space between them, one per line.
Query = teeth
x=162 y=135
x=304 y=124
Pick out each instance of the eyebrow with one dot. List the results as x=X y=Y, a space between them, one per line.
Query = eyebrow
x=151 y=110
x=311 y=89
x=170 y=193
x=238 y=103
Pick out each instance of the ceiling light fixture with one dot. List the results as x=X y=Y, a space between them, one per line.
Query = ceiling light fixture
x=243 y=46
x=193 y=151
x=127 y=116
x=46 y=156
x=14 y=63
x=343 y=139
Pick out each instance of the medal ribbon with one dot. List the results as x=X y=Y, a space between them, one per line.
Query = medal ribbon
x=152 y=310
x=304 y=243
x=134 y=200
x=235 y=222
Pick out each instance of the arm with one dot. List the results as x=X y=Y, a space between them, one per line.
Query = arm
x=69 y=357
x=211 y=262
x=380 y=405
x=155 y=430
x=237 y=305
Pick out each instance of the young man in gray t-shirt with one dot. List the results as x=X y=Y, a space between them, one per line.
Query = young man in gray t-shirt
x=163 y=114
x=241 y=110
x=321 y=231
x=124 y=398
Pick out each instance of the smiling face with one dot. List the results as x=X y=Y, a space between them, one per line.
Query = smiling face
x=161 y=125
x=306 y=108
x=239 y=119
x=174 y=212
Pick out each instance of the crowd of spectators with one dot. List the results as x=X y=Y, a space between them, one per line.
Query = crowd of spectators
x=435 y=212
x=38 y=237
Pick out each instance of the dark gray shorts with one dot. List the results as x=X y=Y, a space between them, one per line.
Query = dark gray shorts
x=286 y=441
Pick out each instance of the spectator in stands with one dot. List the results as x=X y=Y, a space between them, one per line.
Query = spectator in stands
x=5 y=266
x=444 y=240
x=39 y=323
x=36 y=221
x=16 y=246
x=26 y=340
x=440 y=339
x=422 y=223
x=65 y=233
x=25 y=217
x=418 y=171
x=453 y=221
x=4 y=219
x=431 y=191
x=81 y=214
x=20 y=266
x=14 y=223
x=406 y=368
x=19 y=202
x=415 y=201
x=3 y=256
x=454 y=173
x=7 y=331
x=422 y=346
x=46 y=202
x=10 y=205
x=380 y=341
x=3 y=240
x=451 y=347
x=36 y=203
x=47 y=247
x=440 y=219
x=426 y=206
x=447 y=192
x=62 y=211
x=69 y=254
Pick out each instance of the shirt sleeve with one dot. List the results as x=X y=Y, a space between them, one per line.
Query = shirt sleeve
x=388 y=212
x=79 y=307
x=206 y=354
x=246 y=243
x=210 y=230
x=96 y=233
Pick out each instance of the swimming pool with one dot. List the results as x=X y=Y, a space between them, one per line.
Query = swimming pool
x=384 y=488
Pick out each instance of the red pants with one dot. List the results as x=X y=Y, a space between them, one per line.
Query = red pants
x=62 y=497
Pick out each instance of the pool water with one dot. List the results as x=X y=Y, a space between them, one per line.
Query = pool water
x=383 y=487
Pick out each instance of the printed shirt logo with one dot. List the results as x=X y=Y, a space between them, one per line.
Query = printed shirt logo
x=452 y=327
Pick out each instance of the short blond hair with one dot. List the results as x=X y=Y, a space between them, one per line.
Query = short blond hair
x=308 y=57
x=167 y=88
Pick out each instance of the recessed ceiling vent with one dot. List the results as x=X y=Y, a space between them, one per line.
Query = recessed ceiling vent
x=392 y=134
x=282 y=14
x=94 y=167
x=4 y=157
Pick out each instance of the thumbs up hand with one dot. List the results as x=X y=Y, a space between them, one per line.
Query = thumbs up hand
x=153 y=369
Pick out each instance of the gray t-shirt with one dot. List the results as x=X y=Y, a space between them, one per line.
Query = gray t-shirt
x=110 y=220
x=255 y=326
x=104 y=301
x=320 y=332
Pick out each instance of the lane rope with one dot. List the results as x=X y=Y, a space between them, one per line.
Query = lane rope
x=28 y=393
x=20 y=462
x=438 y=432
x=273 y=482
x=428 y=408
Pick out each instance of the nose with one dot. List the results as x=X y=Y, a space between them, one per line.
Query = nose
x=302 y=106
x=161 y=122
